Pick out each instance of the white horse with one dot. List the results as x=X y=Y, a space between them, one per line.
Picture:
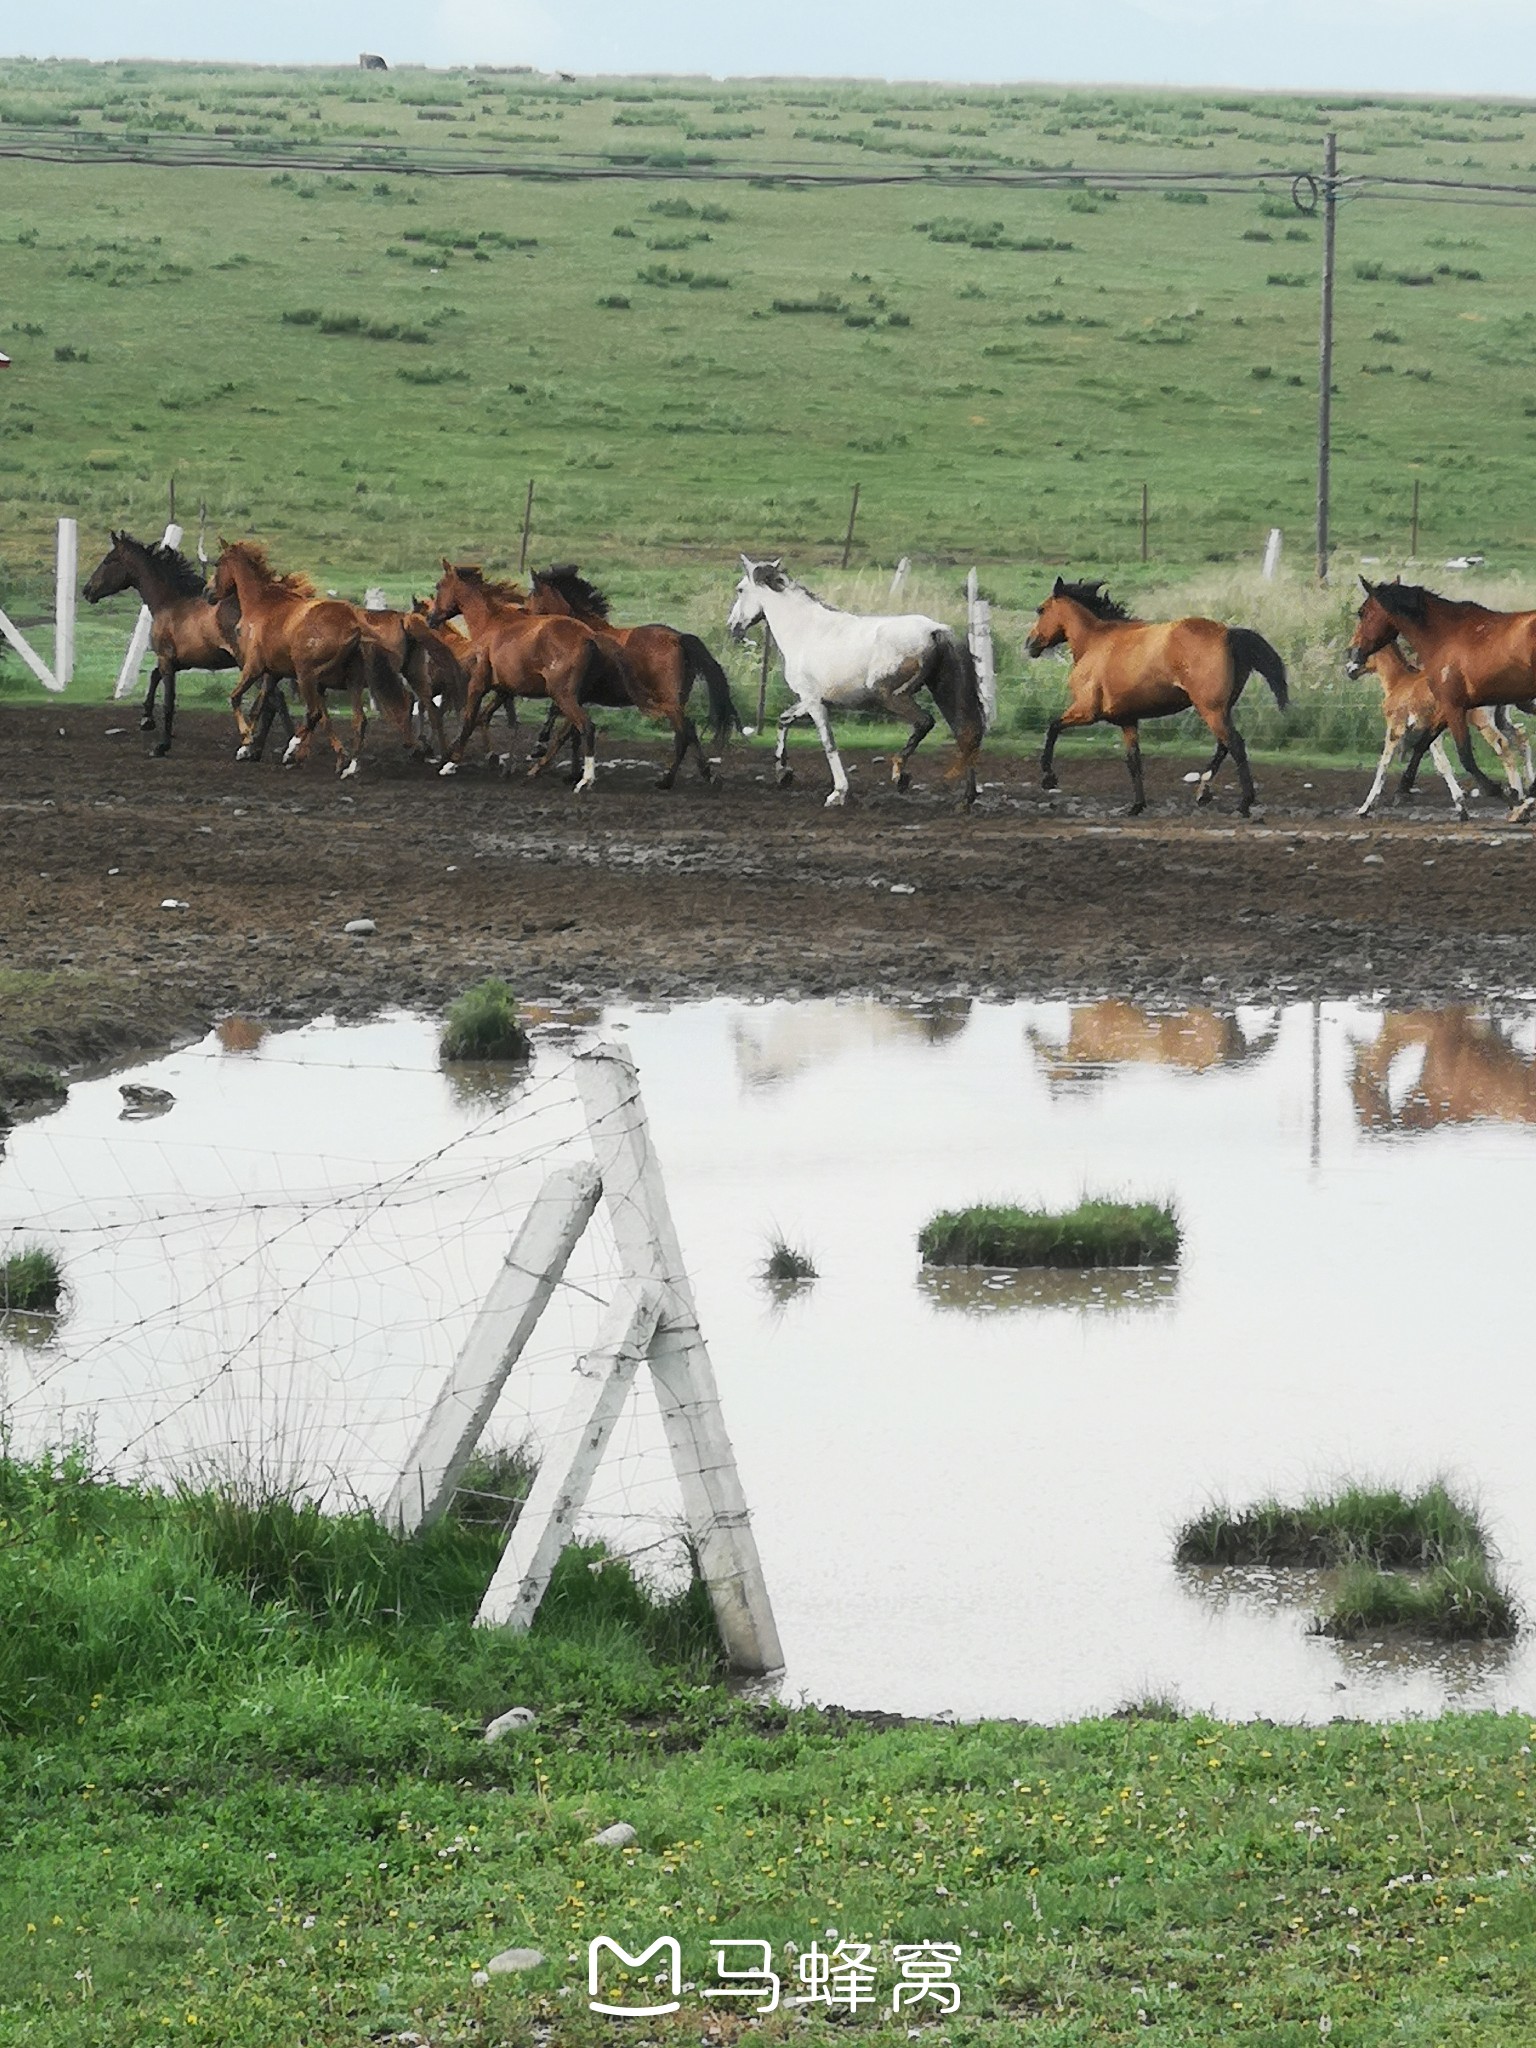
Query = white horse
x=865 y=664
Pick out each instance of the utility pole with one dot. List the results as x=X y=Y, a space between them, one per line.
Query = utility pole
x=1330 y=197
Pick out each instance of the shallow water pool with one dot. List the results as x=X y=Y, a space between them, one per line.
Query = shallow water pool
x=965 y=1487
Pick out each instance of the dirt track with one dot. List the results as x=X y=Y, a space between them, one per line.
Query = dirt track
x=741 y=889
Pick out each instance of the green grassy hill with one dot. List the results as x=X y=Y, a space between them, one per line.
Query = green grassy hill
x=365 y=366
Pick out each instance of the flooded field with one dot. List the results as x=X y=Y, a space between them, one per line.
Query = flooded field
x=965 y=1486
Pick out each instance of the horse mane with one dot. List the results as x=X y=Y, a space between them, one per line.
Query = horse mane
x=503 y=593
x=1093 y=597
x=185 y=578
x=255 y=556
x=584 y=598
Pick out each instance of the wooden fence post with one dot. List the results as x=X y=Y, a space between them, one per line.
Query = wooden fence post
x=522 y=557
x=1144 y=511
x=853 y=513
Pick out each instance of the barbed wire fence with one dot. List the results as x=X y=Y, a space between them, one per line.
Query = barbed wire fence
x=268 y=1284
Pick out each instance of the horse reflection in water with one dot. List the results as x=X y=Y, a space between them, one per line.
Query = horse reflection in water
x=1115 y=1033
x=1428 y=1068
x=773 y=1046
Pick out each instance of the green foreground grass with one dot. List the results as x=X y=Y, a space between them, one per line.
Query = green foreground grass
x=364 y=370
x=1094 y=1232
x=247 y=1799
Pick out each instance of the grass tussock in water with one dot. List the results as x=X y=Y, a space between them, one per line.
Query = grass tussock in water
x=788 y=1265
x=1096 y=1232
x=1460 y=1601
x=1418 y=1563
x=482 y=1025
x=1380 y=1526
x=31 y=1281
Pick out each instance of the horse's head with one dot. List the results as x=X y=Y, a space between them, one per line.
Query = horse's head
x=222 y=583
x=747 y=608
x=1375 y=628
x=448 y=596
x=1051 y=622
x=114 y=572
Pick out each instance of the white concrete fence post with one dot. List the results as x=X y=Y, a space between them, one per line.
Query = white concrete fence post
x=978 y=614
x=66 y=563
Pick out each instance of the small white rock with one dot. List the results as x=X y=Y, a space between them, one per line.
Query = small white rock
x=1373 y=860
x=903 y=889
x=512 y=1721
x=512 y=1959
x=619 y=1836
x=479 y=1977
x=359 y=927
x=173 y=903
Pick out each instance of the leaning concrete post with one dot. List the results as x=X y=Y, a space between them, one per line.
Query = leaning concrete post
x=684 y=1377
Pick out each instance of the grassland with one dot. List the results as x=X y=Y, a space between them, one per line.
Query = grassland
x=242 y=1774
x=691 y=352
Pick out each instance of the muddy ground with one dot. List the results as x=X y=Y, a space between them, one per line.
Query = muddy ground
x=739 y=888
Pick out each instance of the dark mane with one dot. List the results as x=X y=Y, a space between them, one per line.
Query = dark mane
x=584 y=598
x=770 y=575
x=1093 y=597
x=185 y=578
x=255 y=555
x=503 y=593
x=1410 y=602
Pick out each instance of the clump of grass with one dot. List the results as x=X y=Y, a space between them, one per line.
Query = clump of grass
x=482 y=1025
x=1378 y=1526
x=787 y=1265
x=1418 y=1563
x=1461 y=1600
x=493 y=1486
x=31 y=1281
x=1095 y=1232
x=1150 y=1706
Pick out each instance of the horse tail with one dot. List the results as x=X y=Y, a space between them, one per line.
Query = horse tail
x=699 y=662
x=1250 y=651
x=384 y=681
x=955 y=686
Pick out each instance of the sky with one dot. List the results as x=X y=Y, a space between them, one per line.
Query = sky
x=1456 y=46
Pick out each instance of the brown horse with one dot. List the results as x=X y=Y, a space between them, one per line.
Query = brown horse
x=1471 y=657
x=1115 y=1033
x=515 y=654
x=185 y=631
x=322 y=643
x=1125 y=670
x=1408 y=707
x=662 y=665
x=433 y=664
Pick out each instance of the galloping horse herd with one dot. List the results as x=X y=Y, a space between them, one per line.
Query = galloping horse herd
x=479 y=644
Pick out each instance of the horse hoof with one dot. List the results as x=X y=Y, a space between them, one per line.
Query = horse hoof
x=784 y=777
x=346 y=774
x=449 y=768
x=903 y=784
x=291 y=752
x=161 y=750
x=1205 y=797
x=146 y=724
x=1049 y=781
x=1135 y=810
x=1462 y=815
x=836 y=800
x=244 y=752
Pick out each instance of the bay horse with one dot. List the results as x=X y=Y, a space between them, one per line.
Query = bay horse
x=514 y=653
x=1408 y=706
x=323 y=643
x=662 y=665
x=1471 y=657
x=1125 y=670
x=866 y=663
x=185 y=631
